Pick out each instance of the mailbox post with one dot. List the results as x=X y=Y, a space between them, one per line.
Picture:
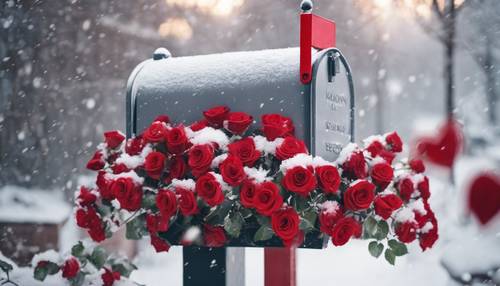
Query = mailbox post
x=311 y=84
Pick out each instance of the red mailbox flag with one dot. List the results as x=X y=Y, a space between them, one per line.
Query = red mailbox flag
x=315 y=32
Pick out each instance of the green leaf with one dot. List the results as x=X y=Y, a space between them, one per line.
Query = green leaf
x=40 y=273
x=375 y=248
x=52 y=268
x=233 y=224
x=263 y=233
x=78 y=279
x=98 y=257
x=245 y=213
x=390 y=256
x=77 y=249
x=308 y=220
x=370 y=226
x=217 y=215
x=135 y=228
x=397 y=247
x=263 y=220
x=382 y=230
x=300 y=203
x=123 y=266
x=149 y=201
x=6 y=267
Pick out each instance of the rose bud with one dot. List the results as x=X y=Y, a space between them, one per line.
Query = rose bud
x=216 y=116
x=162 y=118
x=103 y=185
x=214 y=236
x=329 y=215
x=417 y=165
x=70 y=268
x=386 y=204
x=344 y=229
x=176 y=170
x=328 y=178
x=382 y=174
x=290 y=147
x=109 y=277
x=245 y=150
x=97 y=162
x=423 y=188
x=209 y=189
x=128 y=193
x=85 y=197
x=177 y=141
x=299 y=180
x=247 y=193
x=276 y=125
x=394 y=141
x=187 y=201
x=166 y=202
x=285 y=223
x=198 y=125
x=355 y=166
x=135 y=145
x=113 y=138
x=159 y=244
x=156 y=132
x=406 y=232
x=232 y=171
x=359 y=196
x=406 y=189
x=375 y=148
x=199 y=159
x=154 y=164
x=267 y=198
x=238 y=122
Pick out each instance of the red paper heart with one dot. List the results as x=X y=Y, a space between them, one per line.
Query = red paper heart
x=444 y=148
x=484 y=197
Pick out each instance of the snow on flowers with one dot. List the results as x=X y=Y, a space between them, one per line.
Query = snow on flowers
x=221 y=182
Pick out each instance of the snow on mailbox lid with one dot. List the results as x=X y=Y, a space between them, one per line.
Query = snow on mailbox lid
x=256 y=82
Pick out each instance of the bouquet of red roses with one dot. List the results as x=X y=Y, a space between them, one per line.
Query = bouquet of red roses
x=221 y=182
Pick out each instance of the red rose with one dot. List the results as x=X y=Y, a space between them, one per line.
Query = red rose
x=97 y=233
x=290 y=147
x=209 y=190
x=330 y=214
x=166 y=203
x=394 y=141
x=113 y=138
x=427 y=239
x=90 y=220
x=231 y=170
x=159 y=244
x=275 y=125
x=406 y=232
x=156 y=132
x=267 y=198
x=214 y=236
x=285 y=223
x=97 y=162
x=177 y=141
x=85 y=197
x=344 y=229
x=238 y=122
x=162 y=118
x=329 y=178
x=199 y=158
x=109 y=277
x=187 y=201
x=299 y=180
x=198 y=125
x=382 y=174
x=423 y=188
x=216 y=116
x=119 y=168
x=245 y=150
x=134 y=146
x=388 y=156
x=70 y=268
x=248 y=190
x=157 y=223
x=176 y=170
x=386 y=204
x=103 y=185
x=355 y=166
x=359 y=196
x=154 y=164
x=405 y=187
x=128 y=194
x=417 y=165
x=375 y=148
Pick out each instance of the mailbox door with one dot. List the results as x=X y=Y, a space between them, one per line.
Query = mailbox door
x=332 y=105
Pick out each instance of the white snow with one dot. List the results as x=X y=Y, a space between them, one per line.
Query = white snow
x=427 y=227
x=133 y=162
x=217 y=160
x=49 y=255
x=130 y=174
x=346 y=152
x=302 y=160
x=369 y=140
x=330 y=207
x=225 y=187
x=191 y=234
x=418 y=206
x=188 y=184
x=404 y=215
x=319 y=161
x=209 y=135
x=265 y=146
x=259 y=175
x=20 y=205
